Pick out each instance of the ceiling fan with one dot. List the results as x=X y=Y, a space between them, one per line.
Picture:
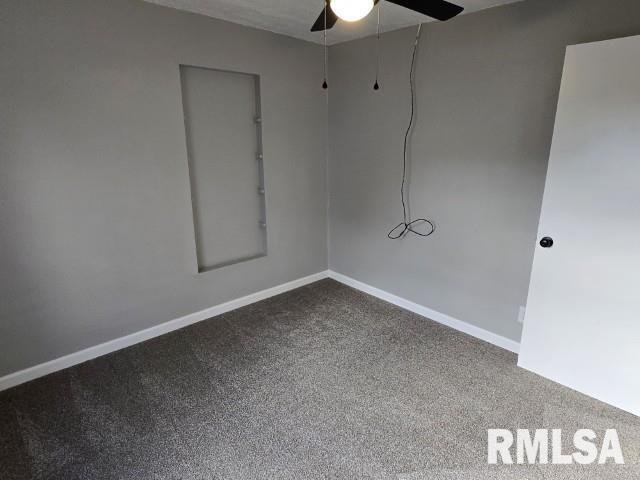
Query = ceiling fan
x=353 y=10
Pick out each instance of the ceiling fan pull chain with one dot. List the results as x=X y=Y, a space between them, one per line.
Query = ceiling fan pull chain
x=325 y=85
x=376 y=86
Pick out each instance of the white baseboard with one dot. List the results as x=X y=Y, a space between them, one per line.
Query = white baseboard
x=456 y=324
x=90 y=353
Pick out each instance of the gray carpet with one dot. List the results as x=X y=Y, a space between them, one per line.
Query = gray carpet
x=320 y=382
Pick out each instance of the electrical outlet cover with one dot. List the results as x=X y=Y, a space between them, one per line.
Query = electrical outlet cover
x=521 y=314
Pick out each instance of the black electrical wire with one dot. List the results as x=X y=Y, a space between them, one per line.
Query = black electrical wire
x=407 y=225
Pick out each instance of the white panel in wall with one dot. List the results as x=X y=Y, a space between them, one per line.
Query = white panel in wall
x=222 y=113
x=582 y=324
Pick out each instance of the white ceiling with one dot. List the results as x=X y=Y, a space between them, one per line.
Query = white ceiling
x=295 y=17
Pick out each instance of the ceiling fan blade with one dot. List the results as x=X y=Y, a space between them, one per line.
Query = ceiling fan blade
x=332 y=18
x=438 y=9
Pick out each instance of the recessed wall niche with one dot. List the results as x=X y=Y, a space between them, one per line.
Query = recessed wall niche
x=223 y=127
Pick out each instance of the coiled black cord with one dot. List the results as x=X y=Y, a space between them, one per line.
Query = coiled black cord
x=407 y=225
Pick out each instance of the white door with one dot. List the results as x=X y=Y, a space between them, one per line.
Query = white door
x=582 y=324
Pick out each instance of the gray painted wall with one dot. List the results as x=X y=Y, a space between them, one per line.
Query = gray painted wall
x=96 y=232
x=487 y=92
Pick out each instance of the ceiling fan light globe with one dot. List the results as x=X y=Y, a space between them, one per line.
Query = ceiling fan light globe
x=351 y=10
